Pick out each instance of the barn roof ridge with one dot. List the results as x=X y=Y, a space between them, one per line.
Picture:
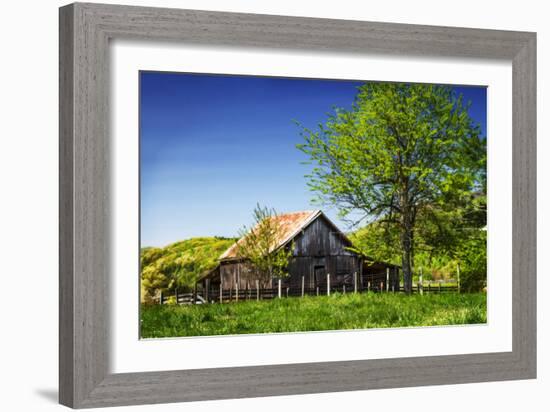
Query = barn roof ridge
x=293 y=223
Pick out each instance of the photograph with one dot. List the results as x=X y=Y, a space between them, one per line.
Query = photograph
x=284 y=205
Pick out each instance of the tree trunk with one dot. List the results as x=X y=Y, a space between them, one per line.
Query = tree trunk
x=406 y=248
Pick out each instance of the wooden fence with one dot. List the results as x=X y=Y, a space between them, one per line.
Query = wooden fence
x=217 y=295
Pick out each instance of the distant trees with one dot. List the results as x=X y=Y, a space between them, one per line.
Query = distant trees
x=259 y=245
x=405 y=156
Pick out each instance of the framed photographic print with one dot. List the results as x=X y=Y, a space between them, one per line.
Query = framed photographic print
x=257 y=205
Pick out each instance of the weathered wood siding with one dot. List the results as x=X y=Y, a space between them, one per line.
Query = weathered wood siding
x=320 y=238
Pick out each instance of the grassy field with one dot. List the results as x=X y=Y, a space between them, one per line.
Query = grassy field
x=350 y=311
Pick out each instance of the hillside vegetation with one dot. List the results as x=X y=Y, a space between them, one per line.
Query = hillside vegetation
x=180 y=264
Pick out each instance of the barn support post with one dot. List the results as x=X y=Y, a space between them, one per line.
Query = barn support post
x=279 y=288
x=328 y=284
x=303 y=285
x=354 y=282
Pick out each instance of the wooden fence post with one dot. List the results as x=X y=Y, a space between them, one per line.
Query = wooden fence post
x=279 y=288
x=317 y=290
x=458 y=276
x=287 y=290
x=236 y=291
x=257 y=290
x=420 y=284
x=387 y=279
x=206 y=292
x=221 y=293
x=328 y=284
x=429 y=286
x=230 y=292
x=303 y=285
x=176 y=294
x=439 y=285
x=354 y=282
x=161 y=297
x=368 y=286
x=344 y=289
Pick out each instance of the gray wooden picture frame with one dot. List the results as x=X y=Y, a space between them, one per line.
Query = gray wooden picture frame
x=85 y=31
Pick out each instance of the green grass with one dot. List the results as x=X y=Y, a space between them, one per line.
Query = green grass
x=315 y=313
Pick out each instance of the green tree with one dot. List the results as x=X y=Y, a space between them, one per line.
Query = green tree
x=472 y=258
x=400 y=150
x=259 y=245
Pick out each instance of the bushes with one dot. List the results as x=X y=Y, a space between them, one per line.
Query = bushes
x=473 y=263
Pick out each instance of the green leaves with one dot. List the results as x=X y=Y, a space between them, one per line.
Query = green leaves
x=259 y=245
x=181 y=264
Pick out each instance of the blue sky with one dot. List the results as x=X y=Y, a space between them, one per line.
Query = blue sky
x=211 y=147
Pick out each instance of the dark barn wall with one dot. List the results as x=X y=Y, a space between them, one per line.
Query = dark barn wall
x=234 y=272
x=320 y=238
x=315 y=270
x=320 y=249
x=377 y=273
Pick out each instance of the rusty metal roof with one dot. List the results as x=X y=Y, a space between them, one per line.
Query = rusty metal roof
x=291 y=224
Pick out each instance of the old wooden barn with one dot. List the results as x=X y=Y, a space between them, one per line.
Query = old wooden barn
x=319 y=248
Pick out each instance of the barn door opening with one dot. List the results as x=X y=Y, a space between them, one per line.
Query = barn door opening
x=319 y=275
